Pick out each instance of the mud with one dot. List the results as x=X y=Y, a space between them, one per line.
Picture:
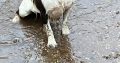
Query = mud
x=94 y=37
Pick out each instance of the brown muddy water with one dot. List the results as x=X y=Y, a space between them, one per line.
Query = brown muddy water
x=94 y=37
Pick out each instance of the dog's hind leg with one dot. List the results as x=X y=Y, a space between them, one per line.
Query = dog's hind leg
x=51 y=38
x=24 y=10
x=65 y=29
x=16 y=19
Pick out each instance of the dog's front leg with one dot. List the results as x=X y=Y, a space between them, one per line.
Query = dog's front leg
x=65 y=29
x=51 y=38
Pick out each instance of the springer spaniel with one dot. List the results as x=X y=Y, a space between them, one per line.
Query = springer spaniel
x=50 y=10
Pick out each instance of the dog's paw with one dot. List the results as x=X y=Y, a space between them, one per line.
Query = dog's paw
x=65 y=30
x=51 y=42
x=16 y=19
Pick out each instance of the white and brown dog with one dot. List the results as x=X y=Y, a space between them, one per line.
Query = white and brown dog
x=50 y=10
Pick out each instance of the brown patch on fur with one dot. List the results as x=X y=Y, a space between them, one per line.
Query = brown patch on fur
x=55 y=13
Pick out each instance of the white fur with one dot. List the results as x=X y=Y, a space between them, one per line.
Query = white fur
x=51 y=39
x=34 y=9
x=27 y=6
x=65 y=29
x=50 y=4
x=16 y=19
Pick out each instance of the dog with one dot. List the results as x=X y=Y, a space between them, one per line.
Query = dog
x=49 y=10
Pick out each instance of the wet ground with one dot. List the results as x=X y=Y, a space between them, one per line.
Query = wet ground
x=94 y=38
